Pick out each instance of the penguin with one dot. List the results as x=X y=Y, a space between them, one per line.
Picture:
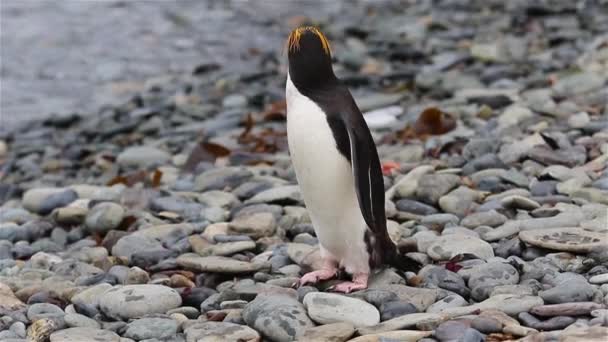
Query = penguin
x=336 y=166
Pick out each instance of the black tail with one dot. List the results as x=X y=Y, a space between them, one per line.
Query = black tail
x=404 y=263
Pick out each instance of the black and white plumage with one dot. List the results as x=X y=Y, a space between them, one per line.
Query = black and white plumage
x=336 y=165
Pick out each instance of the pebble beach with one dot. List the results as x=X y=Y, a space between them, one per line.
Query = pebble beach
x=175 y=214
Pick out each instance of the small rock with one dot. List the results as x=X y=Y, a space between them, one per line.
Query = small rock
x=277 y=317
x=255 y=225
x=142 y=157
x=432 y=187
x=104 y=217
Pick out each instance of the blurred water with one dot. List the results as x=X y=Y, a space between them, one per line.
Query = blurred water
x=72 y=56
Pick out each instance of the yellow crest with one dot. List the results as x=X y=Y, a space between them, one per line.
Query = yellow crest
x=293 y=42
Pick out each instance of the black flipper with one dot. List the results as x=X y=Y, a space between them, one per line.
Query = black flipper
x=369 y=184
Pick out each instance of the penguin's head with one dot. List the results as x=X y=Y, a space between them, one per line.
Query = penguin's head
x=309 y=58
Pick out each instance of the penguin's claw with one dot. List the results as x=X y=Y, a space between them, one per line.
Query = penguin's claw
x=316 y=276
x=359 y=283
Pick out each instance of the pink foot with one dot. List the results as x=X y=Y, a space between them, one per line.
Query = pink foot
x=359 y=283
x=328 y=271
x=316 y=276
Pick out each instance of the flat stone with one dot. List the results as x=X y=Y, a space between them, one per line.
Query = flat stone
x=490 y=218
x=91 y=295
x=599 y=279
x=133 y=301
x=519 y=202
x=216 y=264
x=255 y=225
x=392 y=309
x=84 y=335
x=336 y=332
x=420 y=297
x=288 y=194
x=403 y=322
x=587 y=334
x=75 y=320
x=226 y=248
x=574 y=240
x=219 y=331
x=432 y=187
x=277 y=317
x=151 y=328
x=398 y=335
x=459 y=201
x=447 y=246
x=222 y=178
x=326 y=308
x=564 y=219
x=450 y=301
x=142 y=156
x=509 y=304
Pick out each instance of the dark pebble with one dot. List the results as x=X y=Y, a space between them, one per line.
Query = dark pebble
x=195 y=296
x=394 y=309
x=415 y=207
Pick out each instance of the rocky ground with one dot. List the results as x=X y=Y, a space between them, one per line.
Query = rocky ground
x=176 y=216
